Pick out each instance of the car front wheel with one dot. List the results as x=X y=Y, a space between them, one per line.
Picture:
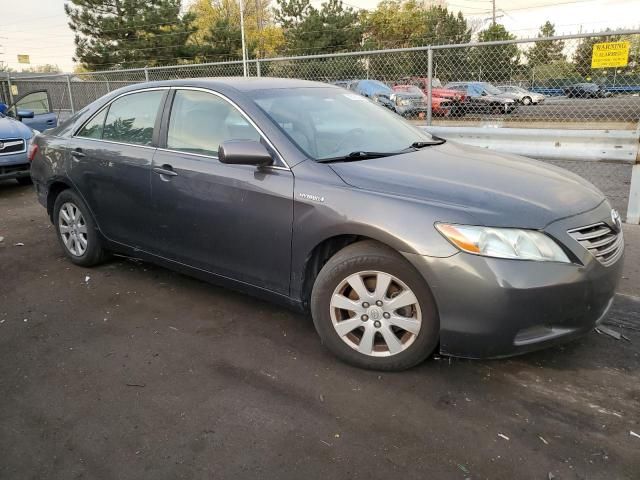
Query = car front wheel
x=372 y=309
x=526 y=101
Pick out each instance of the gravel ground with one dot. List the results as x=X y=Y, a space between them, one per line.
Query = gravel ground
x=131 y=371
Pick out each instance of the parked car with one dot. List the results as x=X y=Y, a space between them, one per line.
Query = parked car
x=343 y=83
x=397 y=242
x=437 y=90
x=482 y=97
x=523 y=96
x=375 y=90
x=586 y=90
x=17 y=130
x=37 y=102
x=417 y=104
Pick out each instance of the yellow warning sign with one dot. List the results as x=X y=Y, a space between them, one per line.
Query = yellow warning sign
x=610 y=55
x=23 y=59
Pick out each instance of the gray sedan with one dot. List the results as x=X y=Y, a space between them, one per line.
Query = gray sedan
x=525 y=97
x=397 y=243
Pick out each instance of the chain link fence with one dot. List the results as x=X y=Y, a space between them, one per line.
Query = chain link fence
x=520 y=82
x=528 y=83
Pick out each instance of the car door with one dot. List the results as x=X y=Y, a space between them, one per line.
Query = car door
x=40 y=104
x=110 y=163
x=232 y=220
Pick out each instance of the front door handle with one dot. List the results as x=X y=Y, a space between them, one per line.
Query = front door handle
x=77 y=153
x=166 y=170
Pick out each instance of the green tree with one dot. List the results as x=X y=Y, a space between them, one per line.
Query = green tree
x=308 y=30
x=544 y=52
x=217 y=24
x=495 y=63
x=46 y=68
x=399 y=24
x=129 y=33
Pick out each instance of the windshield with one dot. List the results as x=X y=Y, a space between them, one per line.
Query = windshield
x=330 y=123
x=491 y=90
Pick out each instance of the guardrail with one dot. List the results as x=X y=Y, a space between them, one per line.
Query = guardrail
x=559 y=91
x=610 y=146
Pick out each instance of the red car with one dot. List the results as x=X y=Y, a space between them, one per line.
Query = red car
x=440 y=106
x=437 y=90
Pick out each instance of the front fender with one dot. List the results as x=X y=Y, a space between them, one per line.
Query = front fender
x=326 y=207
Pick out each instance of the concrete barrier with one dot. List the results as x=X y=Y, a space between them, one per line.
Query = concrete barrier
x=588 y=145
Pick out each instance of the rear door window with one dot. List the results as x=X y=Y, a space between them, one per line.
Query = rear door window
x=131 y=118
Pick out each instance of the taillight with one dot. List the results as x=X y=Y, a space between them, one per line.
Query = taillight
x=33 y=149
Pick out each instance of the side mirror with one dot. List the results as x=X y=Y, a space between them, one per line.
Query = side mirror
x=244 y=152
x=3 y=108
x=25 y=114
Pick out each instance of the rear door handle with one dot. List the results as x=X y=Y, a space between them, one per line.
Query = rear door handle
x=166 y=170
x=77 y=153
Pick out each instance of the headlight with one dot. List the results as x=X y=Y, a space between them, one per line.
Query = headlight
x=404 y=102
x=503 y=242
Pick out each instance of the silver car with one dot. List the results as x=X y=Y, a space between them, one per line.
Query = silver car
x=523 y=96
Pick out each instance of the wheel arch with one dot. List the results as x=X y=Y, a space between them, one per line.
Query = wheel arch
x=320 y=254
x=55 y=188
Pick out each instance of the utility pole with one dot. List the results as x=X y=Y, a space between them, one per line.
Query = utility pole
x=244 y=49
x=493 y=12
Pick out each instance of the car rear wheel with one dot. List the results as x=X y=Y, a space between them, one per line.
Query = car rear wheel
x=372 y=309
x=526 y=101
x=76 y=230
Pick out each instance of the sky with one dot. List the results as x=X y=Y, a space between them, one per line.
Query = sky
x=38 y=28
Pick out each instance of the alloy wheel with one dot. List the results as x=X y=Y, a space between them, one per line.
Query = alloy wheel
x=375 y=313
x=73 y=229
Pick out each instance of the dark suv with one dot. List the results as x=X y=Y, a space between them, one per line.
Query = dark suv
x=397 y=242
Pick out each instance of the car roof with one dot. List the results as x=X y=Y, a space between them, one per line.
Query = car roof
x=242 y=84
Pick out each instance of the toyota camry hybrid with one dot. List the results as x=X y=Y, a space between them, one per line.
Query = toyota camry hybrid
x=397 y=242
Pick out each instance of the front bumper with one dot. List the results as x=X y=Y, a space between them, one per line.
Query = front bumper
x=491 y=308
x=14 y=166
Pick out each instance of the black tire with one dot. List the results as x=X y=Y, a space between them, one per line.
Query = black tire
x=372 y=256
x=24 y=180
x=94 y=253
x=526 y=101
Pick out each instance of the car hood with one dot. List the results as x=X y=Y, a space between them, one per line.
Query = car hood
x=10 y=128
x=496 y=189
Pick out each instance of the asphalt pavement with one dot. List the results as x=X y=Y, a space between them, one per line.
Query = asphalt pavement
x=131 y=371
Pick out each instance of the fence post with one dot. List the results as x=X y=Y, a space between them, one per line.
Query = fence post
x=146 y=74
x=258 y=68
x=429 y=84
x=633 y=207
x=73 y=108
x=10 y=88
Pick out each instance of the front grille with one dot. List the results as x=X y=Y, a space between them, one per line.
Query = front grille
x=13 y=145
x=599 y=239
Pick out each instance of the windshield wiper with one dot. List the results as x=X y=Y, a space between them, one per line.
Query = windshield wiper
x=437 y=141
x=357 y=155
